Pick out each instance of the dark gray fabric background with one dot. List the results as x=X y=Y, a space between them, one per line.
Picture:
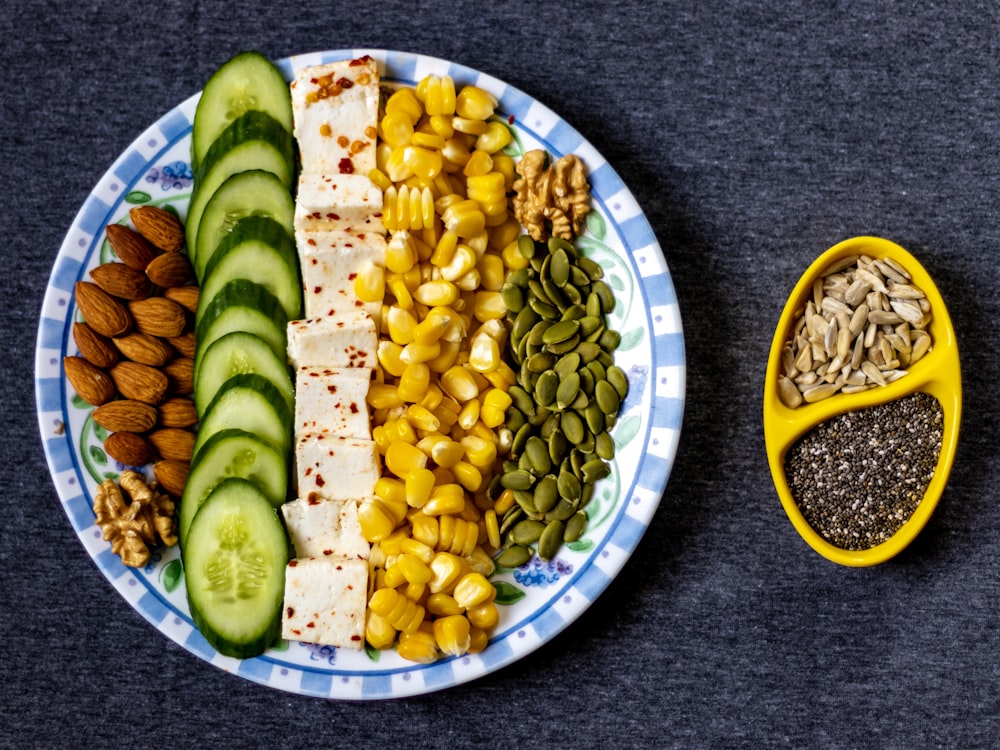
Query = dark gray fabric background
x=754 y=135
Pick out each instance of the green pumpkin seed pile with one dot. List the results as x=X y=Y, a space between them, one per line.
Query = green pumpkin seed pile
x=566 y=400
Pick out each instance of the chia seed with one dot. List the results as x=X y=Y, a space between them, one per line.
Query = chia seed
x=858 y=477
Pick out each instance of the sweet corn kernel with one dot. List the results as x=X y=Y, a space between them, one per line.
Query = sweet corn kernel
x=428 y=140
x=400 y=253
x=436 y=293
x=464 y=218
x=458 y=383
x=416 y=592
x=393 y=577
x=469 y=415
x=492 y=527
x=484 y=353
x=402 y=458
x=433 y=398
x=379 y=632
x=417 y=486
x=447 y=569
x=479 y=163
x=414 y=353
x=405 y=100
x=380 y=179
x=473 y=589
x=396 y=128
x=442 y=605
x=415 y=547
x=491 y=272
x=468 y=475
x=376 y=523
x=481 y=562
x=512 y=258
x=475 y=103
x=504 y=503
x=401 y=325
x=369 y=283
x=445 y=249
x=412 y=567
x=382 y=396
x=414 y=382
x=402 y=614
x=488 y=306
x=469 y=126
x=423 y=162
x=419 y=646
x=480 y=453
x=392 y=544
x=496 y=137
x=485 y=615
x=424 y=529
x=478 y=640
x=452 y=634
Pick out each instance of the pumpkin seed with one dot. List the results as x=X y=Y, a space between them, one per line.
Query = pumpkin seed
x=558 y=447
x=545 y=388
x=594 y=469
x=609 y=340
x=518 y=479
x=564 y=346
x=526 y=531
x=606 y=397
x=569 y=486
x=550 y=540
x=521 y=400
x=588 y=351
x=546 y=493
x=566 y=364
x=541 y=361
x=562 y=511
x=607 y=297
x=594 y=416
x=512 y=297
x=575 y=527
x=561 y=331
x=537 y=452
x=543 y=308
x=574 y=312
x=578 y=277
x=514 y=556
x=616 y=377
x=604 y=446
x=572 y=427
x=525 y=501
x=514 y=514
x=590 y=267
x=526 y=246
x=559 y=269
x=569 y=388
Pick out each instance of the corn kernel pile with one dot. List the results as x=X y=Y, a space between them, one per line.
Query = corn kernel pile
x=439 y=396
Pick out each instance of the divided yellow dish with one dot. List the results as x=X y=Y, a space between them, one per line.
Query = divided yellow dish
x=937 y=374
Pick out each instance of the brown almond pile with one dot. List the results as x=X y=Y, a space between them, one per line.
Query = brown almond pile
x=137 y=346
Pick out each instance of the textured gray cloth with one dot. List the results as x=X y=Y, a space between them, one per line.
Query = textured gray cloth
x=754 y=136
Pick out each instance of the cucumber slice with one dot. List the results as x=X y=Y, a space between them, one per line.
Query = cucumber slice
x=255 y=192
x=240 y=305
x=261 y=250
x=234 y=564
x=235 y=353
x=253 y=141
x=233 y=453
x=247 y=81
x=248 y=402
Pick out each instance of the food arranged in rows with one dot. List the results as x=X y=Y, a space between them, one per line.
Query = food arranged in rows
x=402 y=376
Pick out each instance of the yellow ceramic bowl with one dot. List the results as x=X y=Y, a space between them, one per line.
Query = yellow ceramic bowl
x=936 y=373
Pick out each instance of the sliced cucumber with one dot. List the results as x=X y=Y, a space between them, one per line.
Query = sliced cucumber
x=247 y=81
x=234 y=563
x=261 y=250
x=253 y=141
x=248 y=402
x=237 y=353
x=240 y=305
x=233 y=453
x=255 y=192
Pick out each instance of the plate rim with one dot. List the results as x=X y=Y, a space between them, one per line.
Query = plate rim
x=443 y=673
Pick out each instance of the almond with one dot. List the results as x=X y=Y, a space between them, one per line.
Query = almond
x=170 y=269
x=104 y=313
x=158 y=316
x=143 y=348
x=173 y=443
x=185 y=344
x=120 y=280
x=139 y=382
x=97 y=349
x=161 y=227
x=172 y=476
x=180 y=370
x=129 y=448
x=92 y=384
x=178 y=412
x=131 y=247
x=126 y=415
x=185 y=296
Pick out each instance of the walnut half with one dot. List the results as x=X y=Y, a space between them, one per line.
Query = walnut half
x=134 y=517
x=556 y=197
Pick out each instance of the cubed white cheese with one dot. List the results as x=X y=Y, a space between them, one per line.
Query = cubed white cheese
x=335 y=115
x=336 y=468
x=330 y=263
x=345 y=338
x=325 y=528
x=332 y=400
x=325 y=600
x=347 y=202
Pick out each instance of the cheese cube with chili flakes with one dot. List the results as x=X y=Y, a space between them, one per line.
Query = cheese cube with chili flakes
x=325 y=528
x=330 y=262
x=335 y=116
x=346 y=202
x=335 y=468
x=332 y=400
x=344 y=338
x=325 y=599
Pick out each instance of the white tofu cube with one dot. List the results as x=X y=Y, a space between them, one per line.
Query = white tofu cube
x=336 y=468
x=325 y=528
x=332 y=400
x=330 y=263
x=325 y=600
x=347 y=202
x=335 y=116
x=346 y=338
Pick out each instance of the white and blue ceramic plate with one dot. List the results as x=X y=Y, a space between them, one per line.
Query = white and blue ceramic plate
x=539 y=599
